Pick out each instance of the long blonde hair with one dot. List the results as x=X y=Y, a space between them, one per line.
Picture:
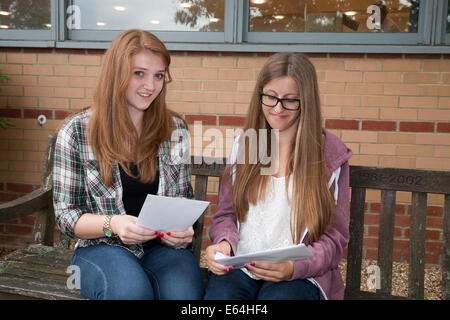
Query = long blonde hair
x=312 y=203
x=112 y=134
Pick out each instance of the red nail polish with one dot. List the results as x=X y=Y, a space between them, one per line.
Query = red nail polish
x=168 y=233
x=252 y=264
x=161 y=235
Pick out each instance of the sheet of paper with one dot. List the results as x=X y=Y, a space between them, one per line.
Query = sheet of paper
x=170 y=214
x=296 y=252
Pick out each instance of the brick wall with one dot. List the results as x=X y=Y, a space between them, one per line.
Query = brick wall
x=392 y=110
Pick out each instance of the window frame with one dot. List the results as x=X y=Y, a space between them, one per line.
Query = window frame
x=35 y=35
x=430 y=38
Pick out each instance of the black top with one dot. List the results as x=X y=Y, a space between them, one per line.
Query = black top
x=135 y=192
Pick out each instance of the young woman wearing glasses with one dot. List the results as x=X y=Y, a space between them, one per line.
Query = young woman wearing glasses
x=305 y=200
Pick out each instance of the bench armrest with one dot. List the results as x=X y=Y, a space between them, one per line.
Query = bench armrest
x=26 y=205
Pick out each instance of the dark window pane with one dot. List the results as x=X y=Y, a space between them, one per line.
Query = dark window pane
x=25 y=14
x=390 y=16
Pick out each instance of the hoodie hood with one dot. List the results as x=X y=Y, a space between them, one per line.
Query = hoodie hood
x=336 y=152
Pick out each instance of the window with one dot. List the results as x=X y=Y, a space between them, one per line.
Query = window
x=172 y=20
x=346 y=21
x=18 y=21
x=233 y=25
x=333 y=16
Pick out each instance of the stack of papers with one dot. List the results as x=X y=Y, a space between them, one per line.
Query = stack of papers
x=170 y=214
x=297 y=252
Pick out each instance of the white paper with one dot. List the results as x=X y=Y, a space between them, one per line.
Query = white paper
x=170 y=214
x=297 y=252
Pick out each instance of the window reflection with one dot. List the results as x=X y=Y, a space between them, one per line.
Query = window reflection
x=390 y=16
x=158 y=15
x=25 y=14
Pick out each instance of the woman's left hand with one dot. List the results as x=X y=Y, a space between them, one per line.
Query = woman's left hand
x=178 y=239
x=271 y=271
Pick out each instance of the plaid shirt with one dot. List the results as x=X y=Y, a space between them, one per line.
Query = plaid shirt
x=78 y=189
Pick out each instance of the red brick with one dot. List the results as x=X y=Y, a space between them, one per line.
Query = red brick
x=402 y=221
x=379 y=125
x=19 y=230
x=373 y=231
x=435 y=222
x=232 y=121
x=422 y=56
x=19 y=187
x=62 y=114
x=371 y=254
x=384 y=56
x=347 y=55
x=371 y=219
x=432 y=235
x=434 y=246
x=370 y=242
x=435 y=211
x=432 y=211
x=342 y=124
x=443 y=127
x=401 y=244
x=212 y=198
x=376 y=206
x=11 y=113
x=30 y=220
x=5 y=197
x=416 y=126
x=206 y=120
x=431 y=258
x=34 y=113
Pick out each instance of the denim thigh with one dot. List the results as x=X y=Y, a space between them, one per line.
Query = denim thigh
x=174 y=273
x=235 y=285
x=111 y=273
x=300 y=289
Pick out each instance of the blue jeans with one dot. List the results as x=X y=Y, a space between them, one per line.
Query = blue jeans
x=163 y=273
x=236 y=285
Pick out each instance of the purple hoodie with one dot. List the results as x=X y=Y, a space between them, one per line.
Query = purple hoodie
x=322 y=269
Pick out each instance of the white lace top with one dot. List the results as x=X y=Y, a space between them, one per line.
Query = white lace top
x=267 y=223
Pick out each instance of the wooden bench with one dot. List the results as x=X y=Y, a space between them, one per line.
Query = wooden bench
x=39 y=271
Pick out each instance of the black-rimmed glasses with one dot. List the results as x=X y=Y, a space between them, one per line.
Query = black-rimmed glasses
x=271 y=101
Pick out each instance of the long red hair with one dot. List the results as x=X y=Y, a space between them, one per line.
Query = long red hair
x=112 y=134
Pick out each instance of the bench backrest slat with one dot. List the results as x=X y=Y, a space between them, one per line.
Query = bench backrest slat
x=416 y=273
x=386 y=239
x=446 y=258
x=201 y=169
x=354 y=252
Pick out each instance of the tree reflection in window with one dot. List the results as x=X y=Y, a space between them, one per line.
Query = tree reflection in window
x=25 y=14
x=208 y=14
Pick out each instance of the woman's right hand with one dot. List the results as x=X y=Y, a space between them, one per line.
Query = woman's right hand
x=225 y=248
x=125 y=227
